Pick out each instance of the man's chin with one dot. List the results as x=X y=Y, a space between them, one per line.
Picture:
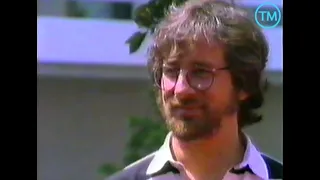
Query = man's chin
x=188 y=137
x=191 y=128
x=192 y=133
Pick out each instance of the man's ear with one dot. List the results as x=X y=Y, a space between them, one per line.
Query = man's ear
x=243 y=95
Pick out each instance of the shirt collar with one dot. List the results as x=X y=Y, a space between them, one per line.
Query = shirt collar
x=252 y=159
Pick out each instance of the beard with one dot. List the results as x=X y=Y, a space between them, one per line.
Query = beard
x=190 y=129
x=206 y=124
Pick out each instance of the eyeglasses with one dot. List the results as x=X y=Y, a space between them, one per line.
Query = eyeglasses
x=198 y=79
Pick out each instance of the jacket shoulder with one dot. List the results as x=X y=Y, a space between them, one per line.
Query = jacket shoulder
x=275 y=168
x=134 y=171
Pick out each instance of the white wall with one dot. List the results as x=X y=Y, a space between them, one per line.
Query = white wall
x=82 y=124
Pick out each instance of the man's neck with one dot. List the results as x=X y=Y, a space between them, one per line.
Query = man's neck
x=210 y=157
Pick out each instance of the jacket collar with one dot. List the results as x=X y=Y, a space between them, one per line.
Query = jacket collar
x=252 y=159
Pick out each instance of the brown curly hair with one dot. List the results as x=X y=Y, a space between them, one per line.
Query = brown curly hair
x=245 y=47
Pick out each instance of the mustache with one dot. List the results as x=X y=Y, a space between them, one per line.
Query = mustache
x=188 y=103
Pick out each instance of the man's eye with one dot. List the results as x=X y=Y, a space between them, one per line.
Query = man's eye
x=201 y=73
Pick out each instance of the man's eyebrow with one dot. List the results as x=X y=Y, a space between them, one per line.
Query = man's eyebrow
x=196 y=63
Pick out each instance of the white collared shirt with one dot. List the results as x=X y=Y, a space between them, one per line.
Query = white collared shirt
x=161 y=165
x=252 y=158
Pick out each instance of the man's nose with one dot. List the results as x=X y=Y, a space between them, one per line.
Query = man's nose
x=182 y=86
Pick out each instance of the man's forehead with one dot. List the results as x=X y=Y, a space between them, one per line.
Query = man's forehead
x=190 y=62
x=199 y=55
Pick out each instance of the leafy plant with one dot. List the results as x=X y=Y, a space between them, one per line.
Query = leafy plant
x=147 y=16
x=74 y=9
x=146 y=136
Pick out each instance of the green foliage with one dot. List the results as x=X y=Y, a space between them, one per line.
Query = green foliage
x=74 y=9
x=108 y=169
x=147 y=16
x=136 y=40
x=146 y=136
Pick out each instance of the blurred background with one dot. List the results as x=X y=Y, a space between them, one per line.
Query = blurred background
x=89 y=85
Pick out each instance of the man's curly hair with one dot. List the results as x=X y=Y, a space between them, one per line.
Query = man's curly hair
x=245 y=47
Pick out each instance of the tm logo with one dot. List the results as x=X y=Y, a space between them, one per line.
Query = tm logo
x=267 y=15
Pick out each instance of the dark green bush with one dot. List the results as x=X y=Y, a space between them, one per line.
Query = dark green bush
x=146 y=137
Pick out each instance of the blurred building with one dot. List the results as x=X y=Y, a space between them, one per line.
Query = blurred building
x=88 y=86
